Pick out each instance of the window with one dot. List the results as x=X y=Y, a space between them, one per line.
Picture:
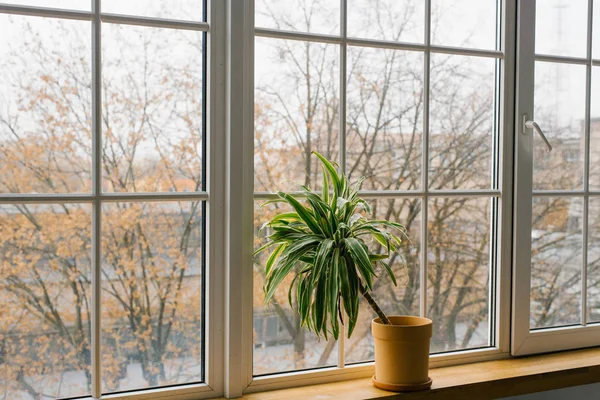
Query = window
x=138 y=140
x=105 y=178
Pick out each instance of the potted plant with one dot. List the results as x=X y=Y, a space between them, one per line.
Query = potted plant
x=325 y=243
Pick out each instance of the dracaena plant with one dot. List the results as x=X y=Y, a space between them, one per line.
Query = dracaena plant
x=325 y=243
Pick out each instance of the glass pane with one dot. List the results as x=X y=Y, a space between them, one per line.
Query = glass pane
x=83 y=5
x=459 y=273
x=392 y=20
x=315 y=16
x=152 y=330
x=595 y=131
x=45 y=294
x=152 y=109
x=464 y=23
x=593 y=296
x=170 y=9
x=45 y=105
x=385 y=118
x=556 y=261
x=461 y=122
x=289 y=347
x=560 y=111
x=561 y=27
x=393 y=300
x=296 y=111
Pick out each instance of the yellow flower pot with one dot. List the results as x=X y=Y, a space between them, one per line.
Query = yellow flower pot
x=402 y=353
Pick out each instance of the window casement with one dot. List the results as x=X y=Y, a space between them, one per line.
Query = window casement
x=384 y=90
x=555 y=296
x=108 y=152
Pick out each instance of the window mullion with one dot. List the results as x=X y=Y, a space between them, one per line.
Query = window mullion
x=343 y=80
x=97 y=205
x=239 y=212
x=342 y=135
x=586 y=161
x=425 y=163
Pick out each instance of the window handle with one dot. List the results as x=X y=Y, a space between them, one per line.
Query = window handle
x=529 y=124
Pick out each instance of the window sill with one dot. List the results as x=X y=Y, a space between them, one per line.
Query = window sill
x=485 y=380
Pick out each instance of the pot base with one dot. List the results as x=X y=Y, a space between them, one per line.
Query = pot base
x=400 y=387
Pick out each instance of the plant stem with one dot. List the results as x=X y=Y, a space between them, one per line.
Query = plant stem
x=374 y=305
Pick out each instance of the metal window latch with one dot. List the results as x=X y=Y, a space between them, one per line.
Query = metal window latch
x=529 y=124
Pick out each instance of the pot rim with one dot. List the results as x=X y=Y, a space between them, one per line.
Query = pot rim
x=422 y=322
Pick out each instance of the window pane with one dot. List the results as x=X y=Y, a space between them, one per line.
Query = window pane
x=393 y=300
x=315 y=16
x=595 y=130
x=392 y=20
x=560 y=111
x=152 y=330
x=459 y=273
x=45 y=301
x=152 y=109
x=296 y=111
x=461 y=122
x=45 y=110
x=561 y=27
x=593 y=296
x=385 y=118
x=556 y=242
x=289 y=347
x=464 y=23
x=170 y=9
x=83 y=5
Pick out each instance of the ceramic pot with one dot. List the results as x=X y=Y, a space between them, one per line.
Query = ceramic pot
x=402 y=353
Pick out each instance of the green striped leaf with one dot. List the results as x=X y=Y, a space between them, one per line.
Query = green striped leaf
x=389 y=272
x=361 y=259
x=322 y=257
x=336 y=180
x=325 y=189
x=333 y=291
x=320 y=307
x=273 y=257
x=303 y=213
x=264 y=247
x=352 y=305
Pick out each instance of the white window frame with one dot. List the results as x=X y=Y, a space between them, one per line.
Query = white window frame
x=239 y=378
x=213 y=196
x=525 y=341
